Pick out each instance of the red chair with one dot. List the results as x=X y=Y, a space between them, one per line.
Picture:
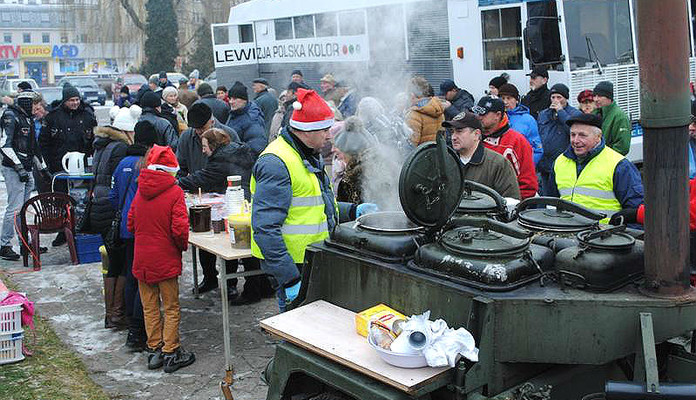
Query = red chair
x=52 y=212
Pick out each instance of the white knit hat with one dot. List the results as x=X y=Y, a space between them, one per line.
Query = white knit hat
x=127 y=117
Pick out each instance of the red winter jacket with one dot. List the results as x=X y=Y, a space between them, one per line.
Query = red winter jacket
x=640 y=216
x=515 y=147
x=159 y=220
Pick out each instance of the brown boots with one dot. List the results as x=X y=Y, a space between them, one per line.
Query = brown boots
x=114 y=303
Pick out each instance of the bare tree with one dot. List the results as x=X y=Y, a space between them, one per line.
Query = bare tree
x=132 y=14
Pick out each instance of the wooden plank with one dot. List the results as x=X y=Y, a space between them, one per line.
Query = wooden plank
x=218 y=244
x=329 y=331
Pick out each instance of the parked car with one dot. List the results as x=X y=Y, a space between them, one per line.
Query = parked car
x=89 y=90
x=9 y=86
x=172 y=76
x=212 y=80
x=51 y=94
x=133 y=81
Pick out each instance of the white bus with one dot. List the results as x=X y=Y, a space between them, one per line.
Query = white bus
x=582 y=42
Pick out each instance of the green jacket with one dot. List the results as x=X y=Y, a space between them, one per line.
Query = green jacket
x=616 y=128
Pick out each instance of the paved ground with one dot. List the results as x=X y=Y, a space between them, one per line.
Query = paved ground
x=71 y=298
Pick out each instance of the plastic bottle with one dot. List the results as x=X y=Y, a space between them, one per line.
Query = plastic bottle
x=234 y=195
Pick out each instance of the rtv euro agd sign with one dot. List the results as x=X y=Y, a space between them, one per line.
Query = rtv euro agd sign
x=325 y=49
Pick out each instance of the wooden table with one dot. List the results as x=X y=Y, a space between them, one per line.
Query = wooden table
x=329 y=331
x=219 y=244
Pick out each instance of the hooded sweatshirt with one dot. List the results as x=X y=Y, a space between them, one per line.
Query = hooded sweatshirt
x=425 y=120
x=516 y=149
x=159 y=220
x=524 y=123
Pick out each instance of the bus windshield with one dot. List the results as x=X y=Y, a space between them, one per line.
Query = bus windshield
x=598 y=31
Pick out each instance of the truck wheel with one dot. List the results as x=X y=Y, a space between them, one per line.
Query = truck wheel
x=329 y=396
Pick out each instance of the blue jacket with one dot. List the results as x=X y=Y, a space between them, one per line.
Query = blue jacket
x=270 y=208
x=628 y=187
x=524 y=123
x=555 y=135
x=249 y=124
x=125 y=171
x=692 y=158
x=348 y=105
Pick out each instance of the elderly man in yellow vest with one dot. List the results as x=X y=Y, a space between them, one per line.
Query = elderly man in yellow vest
x=293 y=204
x=593 y=175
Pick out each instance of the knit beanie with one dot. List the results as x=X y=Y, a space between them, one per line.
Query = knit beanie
x=509 y=89
x=296 y=72
x=238 y=91
x=124 y=89
x=126 y=118
x=24 y=85
x=162 y=158
x=585 y=95
x=604 y=88
x=145 y=133
x=311 y=113
x=204 y=89
x=70 y=91
x=497 y=82
x=198 y=115
x=352 y=139
x=561 y=89
x=162 y=75
x=150 y=100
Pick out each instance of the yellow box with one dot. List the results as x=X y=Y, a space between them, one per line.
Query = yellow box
x=380 y=311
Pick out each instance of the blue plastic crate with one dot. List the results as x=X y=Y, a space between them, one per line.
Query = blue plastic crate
x=88 y=248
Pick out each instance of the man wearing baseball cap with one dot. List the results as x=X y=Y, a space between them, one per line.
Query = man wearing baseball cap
x=481 y=165
x=554 y=132
x=539 y=97
x=457 y=100
x=616 y=126
x=499 y=137
x=293 y=204
x=593 y=175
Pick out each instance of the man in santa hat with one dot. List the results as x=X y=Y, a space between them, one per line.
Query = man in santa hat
x=293 y=204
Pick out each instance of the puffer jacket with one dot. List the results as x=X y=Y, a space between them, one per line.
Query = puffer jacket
x=166 y=135
x=425 y=120
x=249 y=125
x=524 y=123
x=110 y=147
x=159 y=220
x=231 y=159
x=125 y=185
x=66 y=130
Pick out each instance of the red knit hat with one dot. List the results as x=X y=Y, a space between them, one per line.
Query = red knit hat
x=162 y=158
x=311 y=112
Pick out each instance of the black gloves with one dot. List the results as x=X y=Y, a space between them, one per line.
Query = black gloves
x=23 y=174
x=625 y=216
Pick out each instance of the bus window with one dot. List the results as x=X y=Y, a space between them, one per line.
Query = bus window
x=598 y=31
x=542 y=36
x=221 y=35
x=502 y=39
x=326 y=24
x=283 y=28
x=246 y=34
x=304 y=26
x=351 y=23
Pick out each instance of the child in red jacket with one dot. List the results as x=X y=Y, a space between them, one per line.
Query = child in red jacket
x=159 y=220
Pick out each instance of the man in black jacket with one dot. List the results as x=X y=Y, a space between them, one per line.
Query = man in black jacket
x=457 y=100
x=20 y=154
x=538 y=98
x=220 y=110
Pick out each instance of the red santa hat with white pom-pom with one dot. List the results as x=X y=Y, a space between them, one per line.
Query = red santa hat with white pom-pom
x=311 y=113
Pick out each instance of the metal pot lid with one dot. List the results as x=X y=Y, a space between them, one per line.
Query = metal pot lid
x=387 y=221
x=431 y=184
x=554 y=219
x=482 y=242
x=612 y=238
x=477 y=202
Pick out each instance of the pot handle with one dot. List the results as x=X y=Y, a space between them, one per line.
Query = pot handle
x=492 y=225
x=471 y=186
x=560 y=204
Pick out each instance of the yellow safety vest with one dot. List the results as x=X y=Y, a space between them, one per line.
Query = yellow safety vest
x=594 y=188
x=306 y=222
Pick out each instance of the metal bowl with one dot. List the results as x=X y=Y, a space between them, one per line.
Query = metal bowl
x=387 y=221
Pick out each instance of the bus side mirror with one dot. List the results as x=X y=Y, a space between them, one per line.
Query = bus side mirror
x=542 y=41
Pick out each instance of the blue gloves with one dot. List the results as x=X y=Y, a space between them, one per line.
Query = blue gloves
x=365 y=208
x=291 y=292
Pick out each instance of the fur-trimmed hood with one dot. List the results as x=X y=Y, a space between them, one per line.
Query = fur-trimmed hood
x=107 y=132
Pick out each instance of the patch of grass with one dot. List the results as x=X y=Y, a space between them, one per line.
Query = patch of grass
x=52 y=372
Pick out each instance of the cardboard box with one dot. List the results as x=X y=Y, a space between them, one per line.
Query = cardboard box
x=381 y=312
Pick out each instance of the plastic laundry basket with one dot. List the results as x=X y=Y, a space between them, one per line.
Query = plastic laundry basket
x=11 y=319
x=11 y=347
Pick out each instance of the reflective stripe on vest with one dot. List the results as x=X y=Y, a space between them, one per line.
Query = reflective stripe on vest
x=594 y=188
x=306 y=222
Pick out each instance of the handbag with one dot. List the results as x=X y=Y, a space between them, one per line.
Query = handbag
x=112 y=239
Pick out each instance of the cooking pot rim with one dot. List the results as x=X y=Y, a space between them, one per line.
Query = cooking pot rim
x=363 y=222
